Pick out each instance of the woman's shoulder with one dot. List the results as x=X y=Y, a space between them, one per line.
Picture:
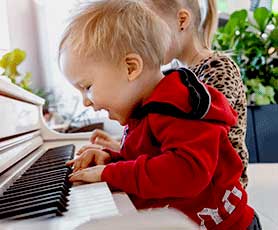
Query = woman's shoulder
x=220 y=71
x=215 y=64
x=222 y=58
x=217 y=60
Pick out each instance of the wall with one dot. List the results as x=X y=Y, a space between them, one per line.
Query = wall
x=4 y=38
x=24 y=35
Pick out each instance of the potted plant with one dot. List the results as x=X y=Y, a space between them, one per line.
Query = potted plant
x=9 y=62
x=252 y=42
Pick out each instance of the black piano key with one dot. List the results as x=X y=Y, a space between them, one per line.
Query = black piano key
x=50 y=158
x=41 y=193
x=48 y=163
x=41 y=214
x=34 y=198
x=64 y=148
x=34 y=193
x=33 y=207
x=63 y=172
x=26 y=175
x=23 y=187
x=23 y=203
x=42 y=170
x=42 y=187
x=39 y=180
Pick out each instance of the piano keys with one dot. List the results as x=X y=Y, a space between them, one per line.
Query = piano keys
x=42 y=190
x=33 y=175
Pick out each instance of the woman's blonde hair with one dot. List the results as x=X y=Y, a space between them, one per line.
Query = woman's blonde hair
x=203 y=31
x=113 y=29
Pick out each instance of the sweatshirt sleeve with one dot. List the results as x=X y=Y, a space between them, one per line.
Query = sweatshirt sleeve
x=188 y=159
x=115 y=156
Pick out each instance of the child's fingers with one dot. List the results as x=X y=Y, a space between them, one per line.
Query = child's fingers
x=97 y=133
x=92 y=174
x=70 y=163
x=102 y=142
x=78 y=176
x=76 y=165
x=86 y=147
x=85 y=163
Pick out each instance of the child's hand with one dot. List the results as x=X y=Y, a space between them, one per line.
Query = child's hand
x=88 y=158
x=102 y=138
x=88 y=147
x=89 y=175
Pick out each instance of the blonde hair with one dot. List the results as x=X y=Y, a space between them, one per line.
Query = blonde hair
x=205 y=31
x=112 y=29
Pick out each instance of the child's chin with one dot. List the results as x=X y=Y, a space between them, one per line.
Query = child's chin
x=121 y=120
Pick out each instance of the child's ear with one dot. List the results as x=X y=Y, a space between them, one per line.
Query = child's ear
x=184 y=19
x=134 y=66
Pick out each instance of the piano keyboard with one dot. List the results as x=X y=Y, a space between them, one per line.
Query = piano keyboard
x=42 y=189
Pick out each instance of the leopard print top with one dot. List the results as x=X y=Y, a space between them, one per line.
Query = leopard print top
x=221 y=72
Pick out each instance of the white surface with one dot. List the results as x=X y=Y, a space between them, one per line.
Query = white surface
x=163 y=219
x=12 y=155
x=17 y=117
x=263 y=193
x=10 y=89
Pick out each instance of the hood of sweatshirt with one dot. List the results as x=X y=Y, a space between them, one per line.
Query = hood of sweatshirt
x=181 y=94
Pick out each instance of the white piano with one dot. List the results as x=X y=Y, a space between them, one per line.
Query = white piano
x=24 y=138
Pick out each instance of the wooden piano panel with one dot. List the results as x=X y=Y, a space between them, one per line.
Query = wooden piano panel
x=17 y=117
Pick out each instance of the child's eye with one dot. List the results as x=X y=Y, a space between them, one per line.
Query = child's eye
x=89 y=92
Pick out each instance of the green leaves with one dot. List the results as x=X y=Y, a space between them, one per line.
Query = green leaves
x=260 y=94
x=274 y=37
x=253 y=44
x=9 y=62
x=26 y=81
x=262 y=16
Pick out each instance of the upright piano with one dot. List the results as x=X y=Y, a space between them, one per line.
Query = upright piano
x=33 y=176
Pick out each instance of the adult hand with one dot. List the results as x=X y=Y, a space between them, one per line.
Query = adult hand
x=89 y=175
x=102 y=138
x=88 y=158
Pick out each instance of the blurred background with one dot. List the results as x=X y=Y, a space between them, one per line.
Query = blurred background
x=31 y=30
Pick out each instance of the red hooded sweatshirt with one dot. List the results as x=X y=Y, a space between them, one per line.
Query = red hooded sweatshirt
x=183 y=162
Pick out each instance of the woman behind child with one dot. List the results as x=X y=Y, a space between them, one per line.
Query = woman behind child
x=192 y=32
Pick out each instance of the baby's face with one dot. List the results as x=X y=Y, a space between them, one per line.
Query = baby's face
x=102 y=85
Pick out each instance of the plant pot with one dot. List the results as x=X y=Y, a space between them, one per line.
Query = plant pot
x=262 y=133
x=250 y=137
